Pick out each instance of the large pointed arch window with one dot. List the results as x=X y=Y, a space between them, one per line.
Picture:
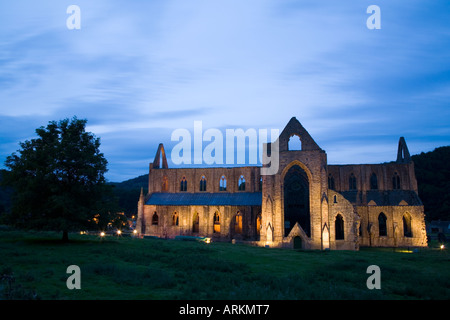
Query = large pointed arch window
x=296 y=200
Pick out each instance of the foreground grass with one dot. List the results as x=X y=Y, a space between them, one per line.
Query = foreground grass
x=33 y=266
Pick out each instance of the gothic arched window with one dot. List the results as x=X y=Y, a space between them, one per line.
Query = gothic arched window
x=241 y=183
x=339 y=227
x=382 y=225
x=223 y=184
x=183 y=184
x=373 y=182
x=203 y=184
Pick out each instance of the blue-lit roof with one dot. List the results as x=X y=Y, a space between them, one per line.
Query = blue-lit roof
x=206 y=199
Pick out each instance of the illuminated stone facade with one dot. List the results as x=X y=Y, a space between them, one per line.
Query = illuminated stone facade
x=307 y=204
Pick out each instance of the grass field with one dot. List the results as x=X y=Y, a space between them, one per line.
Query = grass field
x=33 y=266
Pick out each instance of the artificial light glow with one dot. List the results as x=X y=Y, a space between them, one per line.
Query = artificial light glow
x=119 y=232
x=134 y=231
x=442 y=246
x=102 y=234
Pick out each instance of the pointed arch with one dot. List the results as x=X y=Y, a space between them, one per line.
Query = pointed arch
x=396 y=181
x=216 y=222
x=183 y=184
x=407 y=231
x=241 y=183
x=373 y=181
x=339 y=227
x=160 y=160
x=165 y=184
x=352 y=182
x=331 y=182
x=238 y=223
x=258 y=224
x=195 y=223
x=155 y=219
x=203 y=183
x=296 y=200
x=223 y=183
x=175 y=219
x=382 y=225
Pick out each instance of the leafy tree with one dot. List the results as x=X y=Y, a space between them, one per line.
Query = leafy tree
x=58 y=179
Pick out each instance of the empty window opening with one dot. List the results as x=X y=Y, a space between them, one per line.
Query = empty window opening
x=155 y=219
x=258 y=225
x=238 y=223
x=382 y=225
x=331 y=182
x=196 y=223
x=373 y=182
x=223 y=184
x=396 y=181
x=339 y=227
x=407 y=232
x=352 y=182
x=183 y=184
x=203 y=184
x=216 y=222
x=241 y=183
x=295 y=144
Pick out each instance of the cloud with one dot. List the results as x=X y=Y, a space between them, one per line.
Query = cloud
x=139 y=70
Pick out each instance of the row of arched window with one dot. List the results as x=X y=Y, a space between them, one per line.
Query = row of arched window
x=382 y=226
x=202 y=184
x=373 y=183
x=237 y=222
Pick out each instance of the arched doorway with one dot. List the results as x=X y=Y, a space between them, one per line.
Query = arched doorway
x=296 y=200
x=297 y=242
x=258 y=226
x=196 y=223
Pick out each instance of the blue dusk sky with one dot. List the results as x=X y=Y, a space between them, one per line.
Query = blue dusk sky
x=138 y=70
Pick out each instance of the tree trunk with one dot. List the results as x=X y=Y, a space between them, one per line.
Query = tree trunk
x=65 y=237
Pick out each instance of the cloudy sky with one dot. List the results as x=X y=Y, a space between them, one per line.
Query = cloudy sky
x=138 y=70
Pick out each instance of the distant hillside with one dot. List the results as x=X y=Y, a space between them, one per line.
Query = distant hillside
x=127 y=193
x=433 y=179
